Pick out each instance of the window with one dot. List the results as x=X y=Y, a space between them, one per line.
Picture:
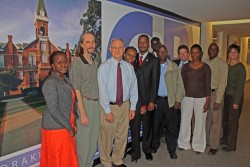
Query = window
x=20 y=61
x=34 y=60
x=1 y=60
x=35 y=77
x=30 y=60
x=43 y=46
x=20 y=75
x=44 y=59
x=31 y=78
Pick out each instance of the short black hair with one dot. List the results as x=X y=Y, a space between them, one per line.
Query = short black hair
x=54 y=54
x=182 y=47
x=155 y=38
x=130 y=47
x=196 y=46
x=234 y=46
x=143 y=36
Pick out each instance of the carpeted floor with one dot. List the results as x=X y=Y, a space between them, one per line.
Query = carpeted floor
x=238 y=158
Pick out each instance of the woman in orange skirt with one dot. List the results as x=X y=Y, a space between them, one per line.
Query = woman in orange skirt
x=58 y=122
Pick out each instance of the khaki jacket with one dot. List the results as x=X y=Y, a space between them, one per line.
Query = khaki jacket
x=174 y=84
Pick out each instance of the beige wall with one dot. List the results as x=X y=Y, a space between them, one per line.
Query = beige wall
x=224 y=40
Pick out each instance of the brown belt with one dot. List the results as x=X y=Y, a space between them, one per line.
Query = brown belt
x=88 y=98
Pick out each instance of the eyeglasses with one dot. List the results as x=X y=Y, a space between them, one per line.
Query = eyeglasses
x=117 y=47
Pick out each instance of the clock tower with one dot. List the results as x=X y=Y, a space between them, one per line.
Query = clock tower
x=41 y=20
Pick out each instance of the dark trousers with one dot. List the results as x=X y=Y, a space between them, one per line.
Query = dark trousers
x=135 y=125
x=169 y=115
x=231 y=122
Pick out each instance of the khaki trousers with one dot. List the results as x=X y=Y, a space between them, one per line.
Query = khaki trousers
x=114 y=133
x=214 y=123
x=87 y=136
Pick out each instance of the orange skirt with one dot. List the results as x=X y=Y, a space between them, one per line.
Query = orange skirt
x=58 y=149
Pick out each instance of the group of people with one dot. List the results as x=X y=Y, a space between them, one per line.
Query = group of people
x=98 y=103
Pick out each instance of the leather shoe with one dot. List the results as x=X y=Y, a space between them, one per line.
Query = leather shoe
x=173 y=155
x=129 y=152
x=212 y=151
x=122 y=165
x=154 y=150
x=134 y=160
x=226 y=149
x=197 y=152
x=149 y=156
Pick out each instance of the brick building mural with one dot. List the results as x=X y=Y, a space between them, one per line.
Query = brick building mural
x=30 y=60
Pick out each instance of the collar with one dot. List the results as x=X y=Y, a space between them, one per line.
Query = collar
x=214 y=59
x=155 y=54
x=113 y=60
x=170 y=66
x=166 y=63
x=144 y=55
x=84 y=59
x=184 y=62
x=53 y=74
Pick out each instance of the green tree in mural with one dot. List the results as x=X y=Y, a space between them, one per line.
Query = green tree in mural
x=8 y=81
x=91 y=21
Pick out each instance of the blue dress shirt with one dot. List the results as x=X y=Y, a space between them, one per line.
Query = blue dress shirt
x=107 y=81
x=162 y=91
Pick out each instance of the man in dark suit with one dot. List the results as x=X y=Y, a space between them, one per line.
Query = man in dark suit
x=183 y=53
x=150 y=67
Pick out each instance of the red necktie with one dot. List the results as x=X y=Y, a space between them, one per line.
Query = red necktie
x=119 y=90
x=140 y=61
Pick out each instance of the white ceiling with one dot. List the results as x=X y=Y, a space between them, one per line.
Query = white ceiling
x=210 y=11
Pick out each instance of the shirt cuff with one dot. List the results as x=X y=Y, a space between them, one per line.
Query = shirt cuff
x=107 y=109
x=133 y=107
x=143 y=107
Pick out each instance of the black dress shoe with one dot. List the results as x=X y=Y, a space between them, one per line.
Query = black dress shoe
x=134 y=160
x=226 y=149
x=173 y=155
x=122 y=165
x=212 y=151
x=154 y=150
x=149 y=156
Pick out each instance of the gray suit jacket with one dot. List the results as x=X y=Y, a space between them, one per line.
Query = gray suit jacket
x=57 y=94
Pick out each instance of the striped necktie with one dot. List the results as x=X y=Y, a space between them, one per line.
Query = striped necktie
x=119 y=90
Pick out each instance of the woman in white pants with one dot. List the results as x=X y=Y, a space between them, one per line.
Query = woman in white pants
x=196 y=76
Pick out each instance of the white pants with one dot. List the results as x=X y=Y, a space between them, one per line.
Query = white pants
x=188 y=105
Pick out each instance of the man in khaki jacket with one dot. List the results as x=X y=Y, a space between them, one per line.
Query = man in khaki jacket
x=170 y=94
x=219 y=70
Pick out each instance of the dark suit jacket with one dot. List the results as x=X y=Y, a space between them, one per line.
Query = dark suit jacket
x=151 y=73
x=141 y=85
x=177 y=61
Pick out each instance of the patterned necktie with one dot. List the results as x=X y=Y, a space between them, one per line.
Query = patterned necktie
x=119 y=90
x=181 y=65
x=140 y=61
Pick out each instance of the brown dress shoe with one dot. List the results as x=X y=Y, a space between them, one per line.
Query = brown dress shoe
x=212 y=151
